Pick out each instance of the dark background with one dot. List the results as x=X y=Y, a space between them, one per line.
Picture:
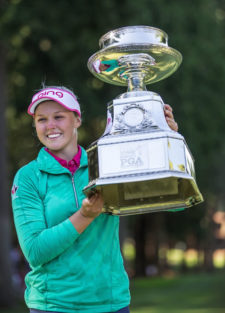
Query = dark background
x=51 y=41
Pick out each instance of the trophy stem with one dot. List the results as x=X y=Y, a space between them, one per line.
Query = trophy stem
x=136 y=83
x=134 y=68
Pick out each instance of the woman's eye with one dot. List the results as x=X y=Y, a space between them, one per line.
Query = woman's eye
x=41 y=119
x=59 y=117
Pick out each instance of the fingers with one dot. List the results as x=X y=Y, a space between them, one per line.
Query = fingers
x=168 y=111
x=172 y=124
x=96 y=196
x=97 y=199
x=92 y=197
x=92 y=207
x=168 y=107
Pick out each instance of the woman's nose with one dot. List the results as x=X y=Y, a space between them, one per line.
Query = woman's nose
x=51 y=124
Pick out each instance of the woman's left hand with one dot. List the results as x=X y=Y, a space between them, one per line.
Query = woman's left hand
x=168 y=111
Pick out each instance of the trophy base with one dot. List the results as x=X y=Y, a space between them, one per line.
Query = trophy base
x=142 y=172
x=146 y=196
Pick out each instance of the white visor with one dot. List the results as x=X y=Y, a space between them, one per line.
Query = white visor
x=62 y=96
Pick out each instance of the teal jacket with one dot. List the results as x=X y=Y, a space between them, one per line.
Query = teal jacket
x=70 y=272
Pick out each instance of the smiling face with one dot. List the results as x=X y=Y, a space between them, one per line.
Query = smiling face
x=56 y=129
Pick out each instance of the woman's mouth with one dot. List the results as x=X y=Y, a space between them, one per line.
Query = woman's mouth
x=53 y=136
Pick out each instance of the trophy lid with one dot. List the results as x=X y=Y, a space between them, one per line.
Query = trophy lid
x=134 y=56
x=135 y=35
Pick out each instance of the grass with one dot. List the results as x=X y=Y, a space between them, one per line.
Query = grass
x=200 y=293
x=196 y=293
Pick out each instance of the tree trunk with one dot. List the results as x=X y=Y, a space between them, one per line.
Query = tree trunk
x=6 y=292
x=209 y=240
x=140 y=241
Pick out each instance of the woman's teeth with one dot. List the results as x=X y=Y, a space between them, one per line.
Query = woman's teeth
x=53 y=135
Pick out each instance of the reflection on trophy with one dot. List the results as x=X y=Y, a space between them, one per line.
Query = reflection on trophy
x=139 y=164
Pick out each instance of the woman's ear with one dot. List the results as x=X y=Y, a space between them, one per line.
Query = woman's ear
x=78 y=121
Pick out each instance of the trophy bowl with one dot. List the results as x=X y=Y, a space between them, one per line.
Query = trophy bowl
x=139 y=164
x=132 y=40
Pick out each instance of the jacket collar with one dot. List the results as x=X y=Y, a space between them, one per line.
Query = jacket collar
x=49 y=164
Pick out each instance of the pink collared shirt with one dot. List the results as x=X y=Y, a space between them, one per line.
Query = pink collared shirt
x=73 y=164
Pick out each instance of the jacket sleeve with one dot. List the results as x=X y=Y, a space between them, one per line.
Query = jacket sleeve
x=38 y=243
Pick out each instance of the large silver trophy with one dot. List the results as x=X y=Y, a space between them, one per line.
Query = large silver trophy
x=139 y=164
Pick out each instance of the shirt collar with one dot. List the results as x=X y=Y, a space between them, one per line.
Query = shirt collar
x=48 y=163
x=73 y=164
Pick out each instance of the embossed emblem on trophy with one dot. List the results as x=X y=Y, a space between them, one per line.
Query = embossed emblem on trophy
x=139 y=164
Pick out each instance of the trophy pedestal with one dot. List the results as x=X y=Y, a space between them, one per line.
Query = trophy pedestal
x=140 y=165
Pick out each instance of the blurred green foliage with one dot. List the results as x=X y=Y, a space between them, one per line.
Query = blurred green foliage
x=51 y=42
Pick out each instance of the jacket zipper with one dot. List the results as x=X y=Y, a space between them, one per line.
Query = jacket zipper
x=74 y=190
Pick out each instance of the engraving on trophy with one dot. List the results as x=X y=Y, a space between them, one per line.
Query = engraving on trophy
x=134 y=117
x=139 y=164
x=133 y=157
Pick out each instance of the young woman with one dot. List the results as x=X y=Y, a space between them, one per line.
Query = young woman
x=73 y=250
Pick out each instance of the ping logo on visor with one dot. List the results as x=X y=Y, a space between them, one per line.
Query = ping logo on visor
x=62 y=96
x=58 y=94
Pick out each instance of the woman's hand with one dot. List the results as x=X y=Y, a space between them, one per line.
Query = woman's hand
x=92 y=207
x=168 y=111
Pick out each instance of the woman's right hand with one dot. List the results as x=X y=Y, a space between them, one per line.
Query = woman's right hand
x=92 y=207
